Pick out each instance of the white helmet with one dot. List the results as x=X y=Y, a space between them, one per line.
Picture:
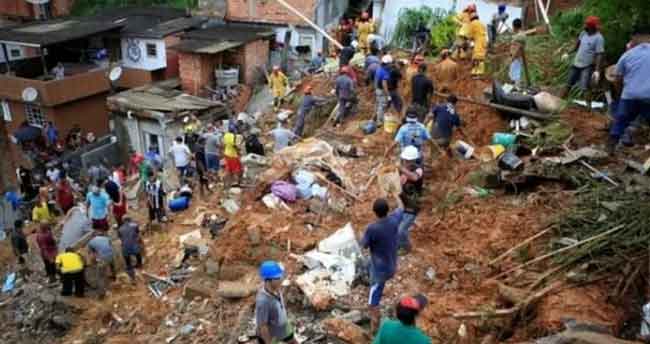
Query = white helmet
x=354 y=44
x=409 y=153
x=387 y=59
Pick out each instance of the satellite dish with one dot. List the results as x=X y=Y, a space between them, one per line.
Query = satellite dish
x=115 y=74
x=30 y=94
x=38 y=2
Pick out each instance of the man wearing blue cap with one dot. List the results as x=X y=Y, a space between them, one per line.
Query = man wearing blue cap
x=271 y=321
x=498 y=19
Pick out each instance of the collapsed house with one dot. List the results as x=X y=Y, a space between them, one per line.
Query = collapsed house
x=152 y=116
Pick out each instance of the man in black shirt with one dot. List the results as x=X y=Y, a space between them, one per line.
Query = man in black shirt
x=422 y=90
x=346 y=53
x=393 y=84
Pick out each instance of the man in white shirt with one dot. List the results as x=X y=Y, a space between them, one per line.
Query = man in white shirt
x=181 y=155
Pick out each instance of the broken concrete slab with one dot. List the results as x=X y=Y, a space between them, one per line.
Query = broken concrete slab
x=198 y=288
x=346 y=331
x=236 y=290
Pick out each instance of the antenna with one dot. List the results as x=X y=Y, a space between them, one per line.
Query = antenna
x=30 y=94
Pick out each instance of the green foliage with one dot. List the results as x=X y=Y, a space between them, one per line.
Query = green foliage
x=89 y=7
x=443 y=33
x=411 y=18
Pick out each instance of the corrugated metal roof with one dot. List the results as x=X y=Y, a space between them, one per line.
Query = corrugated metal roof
x=220 y=38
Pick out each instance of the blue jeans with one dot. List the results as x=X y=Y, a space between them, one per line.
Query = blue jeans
x=212 y=162
x=627 y=111
x=377 y=284
x=580 y=76
x=404 y=229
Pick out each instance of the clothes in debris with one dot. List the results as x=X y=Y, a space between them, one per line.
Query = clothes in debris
x=285 y=191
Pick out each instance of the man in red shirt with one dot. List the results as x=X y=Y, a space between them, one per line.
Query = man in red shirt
x=47 y=245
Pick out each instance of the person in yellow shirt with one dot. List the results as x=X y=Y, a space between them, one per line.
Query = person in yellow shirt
x=478 y=34
x=364 y=28
x=231 y=143
x=278 y=83
x=71 y=266
x=41 y=212
x=463 y=19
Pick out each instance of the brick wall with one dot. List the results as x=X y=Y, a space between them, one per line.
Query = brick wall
x=172 y=57
x=197 y=71
x=23 y=9
x=256 y=55
x=269 y=11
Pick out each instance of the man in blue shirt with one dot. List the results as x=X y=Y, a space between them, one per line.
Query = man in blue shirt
x=445 y=119
x=371 y=65
x=382 y=78
x=633 y=71
x=98 y=203
x=411 y=133
x=101 y=250
x=381 y=239
x=344 y=89
x=590 y=48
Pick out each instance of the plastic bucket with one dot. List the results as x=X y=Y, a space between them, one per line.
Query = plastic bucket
x=497 y=150
x=504 y=139
x=391 y=123
x=178 y=204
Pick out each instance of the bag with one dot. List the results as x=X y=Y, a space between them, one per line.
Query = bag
x=285 y=191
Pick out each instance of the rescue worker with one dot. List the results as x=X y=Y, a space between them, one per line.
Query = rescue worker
x=410 y=72
x=382 y=77
x=445 y=119
x=461 y=45
x=411 y=178
x=309 y=101
x=371 y=65
x=411 y=133
x=364 y=28
x=422 y=90
x=380 y=238
x=478 y=36
x=632 y=71
x=404 y=330
x=344 y=90
x=278 y=83
x=587 y=63
x=517 y=51
x=271 y=320
x=446 y=71
x=71 y=267
x=498 y=19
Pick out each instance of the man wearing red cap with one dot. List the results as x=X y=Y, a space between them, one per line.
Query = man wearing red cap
x=590 y=48
x=403 y=330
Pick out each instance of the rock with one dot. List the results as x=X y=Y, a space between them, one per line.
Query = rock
x=235 y=290
x=195 y=289
x=232 y=272
x=346 y=331
x=431 y=274
x=354 y=316
x=61 y=322
x=47 y=297
x=321 y=301
x=211 y=268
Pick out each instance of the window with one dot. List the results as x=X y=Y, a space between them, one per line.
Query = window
x=151 y=50
x=5 y=110
x=35 y=116
x=15 y=53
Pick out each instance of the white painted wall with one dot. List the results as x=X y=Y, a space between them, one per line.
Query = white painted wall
x=389 y=15
x=138 y=58
x=17 y=48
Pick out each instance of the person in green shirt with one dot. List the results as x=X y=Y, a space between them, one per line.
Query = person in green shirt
x=404 y=330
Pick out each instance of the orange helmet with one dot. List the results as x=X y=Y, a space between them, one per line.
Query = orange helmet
x=364 y=15
x=418 y=59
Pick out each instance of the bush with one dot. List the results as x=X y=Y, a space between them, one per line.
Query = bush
x=411 y=18
x=90 y=7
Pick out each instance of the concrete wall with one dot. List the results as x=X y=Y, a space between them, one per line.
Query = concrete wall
x=256 y=54
x=137 y=58
x=197 y=71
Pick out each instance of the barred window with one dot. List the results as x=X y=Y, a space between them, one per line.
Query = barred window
x=151 y=50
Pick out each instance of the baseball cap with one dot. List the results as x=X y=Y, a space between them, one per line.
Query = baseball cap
x=416 y=302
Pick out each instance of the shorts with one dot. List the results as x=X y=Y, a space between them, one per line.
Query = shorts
x=580 y=76
x=100 y=224
x=233 y=165
x=182 y=170
x=212 y=162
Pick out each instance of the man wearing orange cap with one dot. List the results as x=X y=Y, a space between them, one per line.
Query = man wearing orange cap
x=309 y=101
x=344 y=90
x=446 y=71
x=404 y=329
x=590 y=49
x=365 y=27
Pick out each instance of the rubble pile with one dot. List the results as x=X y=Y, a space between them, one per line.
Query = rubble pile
x=36 y=314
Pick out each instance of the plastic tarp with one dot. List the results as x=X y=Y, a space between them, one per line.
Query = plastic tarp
x=75 y=227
